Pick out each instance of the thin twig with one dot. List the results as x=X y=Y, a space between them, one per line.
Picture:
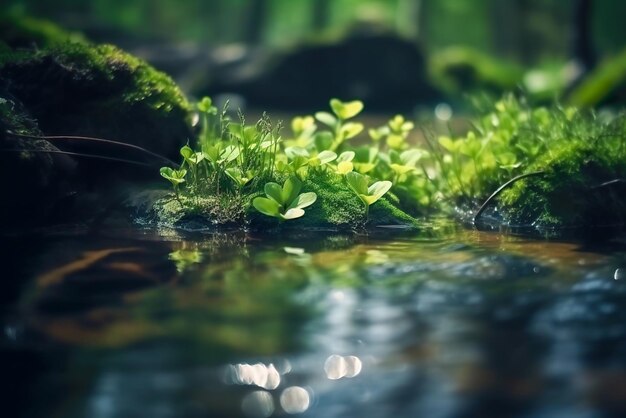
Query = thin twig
x=609 y=183
x=499 y=190
x=78 y=154
x=91 y=139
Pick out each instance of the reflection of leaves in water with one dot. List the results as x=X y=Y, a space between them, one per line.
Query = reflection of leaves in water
x=185 y=258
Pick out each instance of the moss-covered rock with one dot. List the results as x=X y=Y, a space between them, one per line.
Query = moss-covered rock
x=100 y=91
x=582 y=185
x=336 y=208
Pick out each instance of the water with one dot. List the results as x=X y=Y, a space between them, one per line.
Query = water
x=445 y=322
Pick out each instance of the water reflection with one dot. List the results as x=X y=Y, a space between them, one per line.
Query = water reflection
x=258 y=404
x=472 y=325
x=295 y=400
x=259 y=374
x=337 y=366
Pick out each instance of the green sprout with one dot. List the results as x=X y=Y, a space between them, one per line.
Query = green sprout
x=284 y=202
x=176 y=177
x=368 y=195
x=342 y=130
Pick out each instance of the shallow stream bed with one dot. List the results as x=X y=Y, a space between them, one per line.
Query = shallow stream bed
x=442 y=322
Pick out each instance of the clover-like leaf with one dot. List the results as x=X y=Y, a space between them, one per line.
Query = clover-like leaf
x=274 y=192
x=326 y=156
x=326 y=118
x=346 y=110
x=351 y=129
x=186 y=152
x=346 y=156
x=174 y=176
x=266 y=206
x=377 y=190
x=344 y=167
x=290 y=190
x=303 y=200
x=292 y=213
x=358 y=182
x=293 y=152
x=323 y=140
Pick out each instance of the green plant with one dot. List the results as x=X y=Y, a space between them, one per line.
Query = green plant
x=368 y=195
x=284 y=202
x=342 y=130
x=176 y=177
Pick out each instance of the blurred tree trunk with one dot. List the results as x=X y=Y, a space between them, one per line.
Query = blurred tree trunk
x=320 y=14
x=257 y=16
x=582 y=43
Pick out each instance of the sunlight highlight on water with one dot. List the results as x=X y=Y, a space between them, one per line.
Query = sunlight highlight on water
x=337 y=366
x=295 y=400
x=266 y=377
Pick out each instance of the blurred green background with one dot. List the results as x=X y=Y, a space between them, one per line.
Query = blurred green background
x=545 y=47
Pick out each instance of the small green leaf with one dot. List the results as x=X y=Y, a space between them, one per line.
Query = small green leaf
x=290 y=190
x=326 y=118
x=346 y=156
x=346 y=110
x=323 y=140
x=345 y=167
x=292 y=214
x=274 y=192
x=205 y=105
x=186 y=152
x=378 y=189
x=229 y=153
x=326 y=156
x=351 y=129
x=266 y=206
x=293 y=152
x=357 y=182
x=304 y=200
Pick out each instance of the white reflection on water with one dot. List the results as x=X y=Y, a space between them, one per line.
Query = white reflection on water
x=337 y=366
x=266 y=377
x=619 y=274
x=295 y=400
x=258 y=404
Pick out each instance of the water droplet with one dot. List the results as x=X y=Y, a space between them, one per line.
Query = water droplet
x=295 y=400
x=619 y=274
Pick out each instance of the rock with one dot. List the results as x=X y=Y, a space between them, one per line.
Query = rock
x=35 y=175
x=381 y=69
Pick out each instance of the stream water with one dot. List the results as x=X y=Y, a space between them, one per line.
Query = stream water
x=442 y=322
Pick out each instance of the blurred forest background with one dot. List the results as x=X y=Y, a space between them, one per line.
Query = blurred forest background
x=542 y=46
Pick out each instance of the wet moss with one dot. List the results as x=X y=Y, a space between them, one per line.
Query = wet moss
x=336 y=207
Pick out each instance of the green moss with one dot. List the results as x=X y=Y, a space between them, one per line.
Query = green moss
x=337 y=207
x=99 y=91
x=567 y=194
